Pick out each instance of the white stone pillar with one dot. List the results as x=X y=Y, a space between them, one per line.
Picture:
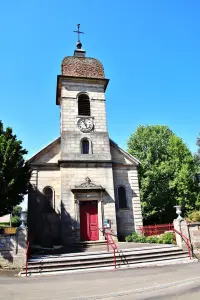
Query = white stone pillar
x=19 y=255
x=181 y=227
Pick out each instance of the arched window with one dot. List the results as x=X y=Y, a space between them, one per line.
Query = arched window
x=48 y=199
x=122 y=197
x=85 y=146
x=83 y=105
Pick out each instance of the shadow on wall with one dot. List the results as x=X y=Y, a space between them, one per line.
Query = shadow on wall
x=50 y=229
x=124 y=213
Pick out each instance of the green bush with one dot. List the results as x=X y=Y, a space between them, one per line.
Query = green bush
x=165 y=238
x=15 y=220
x=194 y=216
x=4 y=224
x=129 y=238
x=153 y=239
x=136 y=237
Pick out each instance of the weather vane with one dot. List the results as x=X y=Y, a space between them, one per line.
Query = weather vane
x=78 y=32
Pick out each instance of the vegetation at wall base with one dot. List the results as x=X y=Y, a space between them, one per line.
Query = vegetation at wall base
x=165 y=238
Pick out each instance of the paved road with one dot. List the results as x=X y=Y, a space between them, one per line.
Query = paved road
x=178 y=282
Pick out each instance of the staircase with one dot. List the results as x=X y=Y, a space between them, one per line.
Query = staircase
x=96 y=259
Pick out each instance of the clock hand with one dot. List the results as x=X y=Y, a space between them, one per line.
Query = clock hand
x=85 y=122
x=82 y=124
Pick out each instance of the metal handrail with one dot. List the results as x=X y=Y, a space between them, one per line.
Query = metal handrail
x=187 y=241
x=27 y=248
x=111 y=242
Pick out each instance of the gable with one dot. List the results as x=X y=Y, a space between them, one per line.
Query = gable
x=120 y=156
x=49 y=154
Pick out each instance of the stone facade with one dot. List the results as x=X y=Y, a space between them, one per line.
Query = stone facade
x=71 y=136
x=65 y=169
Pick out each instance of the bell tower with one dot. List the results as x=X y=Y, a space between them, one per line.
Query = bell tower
x=85 y=144
x=81 y=95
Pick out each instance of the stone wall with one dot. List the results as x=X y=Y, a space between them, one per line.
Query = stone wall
x=69 y=105
x=13 y=249
x=194 y=233
x=190 y=231
x=71 y=135
x=71 y=146
x=128 y=219
x=50 y=178
x=73 y=174
x=44 y=228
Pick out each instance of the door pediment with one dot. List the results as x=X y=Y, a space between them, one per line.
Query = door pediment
x=87 y=186
x=88 y=196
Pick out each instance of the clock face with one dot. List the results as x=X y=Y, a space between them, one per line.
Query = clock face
x=85 y=124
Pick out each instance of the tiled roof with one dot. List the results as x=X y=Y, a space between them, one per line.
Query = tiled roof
x=82 y=67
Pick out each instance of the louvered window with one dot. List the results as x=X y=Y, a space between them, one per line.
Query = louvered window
x=83 y=105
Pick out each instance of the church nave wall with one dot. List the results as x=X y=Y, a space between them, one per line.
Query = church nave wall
x=129 y=218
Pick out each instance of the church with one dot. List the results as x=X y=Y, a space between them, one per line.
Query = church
x=82 y=182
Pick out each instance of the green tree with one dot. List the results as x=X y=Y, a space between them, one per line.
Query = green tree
x=14 y=171
x=16 y=221
x=166 y=173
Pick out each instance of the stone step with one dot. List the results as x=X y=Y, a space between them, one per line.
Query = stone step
x=119 y=260
x=105 y=254
x=102 y=259
x=95 y=251
x=135 y=263
x=107 y=268
x=74 y=248
x=90 y=243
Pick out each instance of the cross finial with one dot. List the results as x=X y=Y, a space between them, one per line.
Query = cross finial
x=79 y=45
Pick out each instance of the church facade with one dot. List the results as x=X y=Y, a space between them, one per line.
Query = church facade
x=82 y=182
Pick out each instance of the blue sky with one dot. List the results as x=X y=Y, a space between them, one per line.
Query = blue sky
x=150 y=50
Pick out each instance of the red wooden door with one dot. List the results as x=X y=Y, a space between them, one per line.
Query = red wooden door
x=89 y=221
x=93 y=222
